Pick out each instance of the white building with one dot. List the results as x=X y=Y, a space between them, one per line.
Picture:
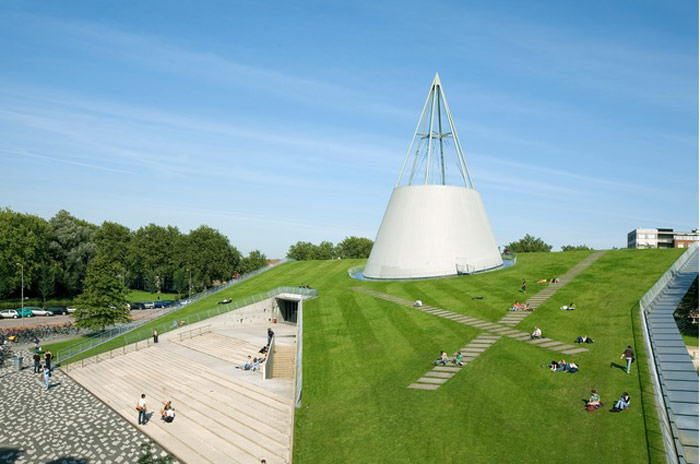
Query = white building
x=661 y=238
x=435 y=223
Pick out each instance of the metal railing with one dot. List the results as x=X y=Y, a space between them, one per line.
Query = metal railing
x=300 y=351
x=109 y=334
x=141 y=333
x=191 y=333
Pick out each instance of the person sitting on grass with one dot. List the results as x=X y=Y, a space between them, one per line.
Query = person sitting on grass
x=542 y=281
x=555 y=280
x=516 y=306
x=457 y=361
x=525 y=307
x=537 y=333
x=584 y=339
x=594 y=401
x=623 y=403
x=443 y=359
x=418 y=304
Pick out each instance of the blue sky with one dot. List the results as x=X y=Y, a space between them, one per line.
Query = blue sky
x=283 y=121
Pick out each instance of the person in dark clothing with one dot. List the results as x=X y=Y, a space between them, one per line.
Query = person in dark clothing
x=37 y=363
x=628 y=355
x=623 y=403
x=270 y=334
x=47 y=359
x=523 y=286
x=155 y=336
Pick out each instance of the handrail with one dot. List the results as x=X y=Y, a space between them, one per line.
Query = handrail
x=300 y=351
x=198 y=329
x=115 y=332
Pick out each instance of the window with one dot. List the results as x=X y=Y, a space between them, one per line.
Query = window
x=651 y=236
x=641 y=236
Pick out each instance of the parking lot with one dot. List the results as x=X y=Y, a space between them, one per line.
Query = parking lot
x=58 y=320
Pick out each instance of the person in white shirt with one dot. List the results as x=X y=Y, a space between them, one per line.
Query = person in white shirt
x=142 y=408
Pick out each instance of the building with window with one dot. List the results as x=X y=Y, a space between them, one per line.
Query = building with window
x=661 y=238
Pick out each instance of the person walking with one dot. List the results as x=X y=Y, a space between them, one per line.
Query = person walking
x=47 y=376
x=142 y=408
x=523 y=286
x=37 y=363
x=155 y=336
x=47 y=359
x=628 y=355
x=270 y=334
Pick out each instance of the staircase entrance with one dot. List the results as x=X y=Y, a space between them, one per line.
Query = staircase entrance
x=288 y=309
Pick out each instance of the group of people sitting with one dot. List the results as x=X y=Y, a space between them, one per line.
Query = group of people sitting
x=252 y=364
x=562 y=366
x=553 y=280
x=521 y=307
x=444 y=359
x=570 y=307
x=594 y=402
x=168 y=412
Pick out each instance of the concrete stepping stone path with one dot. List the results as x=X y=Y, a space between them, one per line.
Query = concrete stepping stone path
x=515 y=317
x=438 y=375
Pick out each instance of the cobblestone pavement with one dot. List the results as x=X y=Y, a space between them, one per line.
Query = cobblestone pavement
x=64 y=425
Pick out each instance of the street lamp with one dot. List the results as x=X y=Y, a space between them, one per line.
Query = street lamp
x=21 y=266
x=189 y=300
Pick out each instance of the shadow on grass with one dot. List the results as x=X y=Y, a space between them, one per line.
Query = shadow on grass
x=622 y=368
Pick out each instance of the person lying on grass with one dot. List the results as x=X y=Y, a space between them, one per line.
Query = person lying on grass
x=444 y=359
x=584 y=339
x=562 y=366
x=570 y=307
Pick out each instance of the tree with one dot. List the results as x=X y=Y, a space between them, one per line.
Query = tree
x=528 y=244
x=325 y=250
x=104 y=299
x=181 y=281
x=355 y=248
x=112 y=240
x=210 y=256
x=576 y=248
x=255 y=260
x=302 y=251
x=47 y=280
x=23 y=239
x=71 y=246
x=153 y=255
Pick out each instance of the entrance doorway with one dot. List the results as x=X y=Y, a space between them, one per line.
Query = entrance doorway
x=288 y=309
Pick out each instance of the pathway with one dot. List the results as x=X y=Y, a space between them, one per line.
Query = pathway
x=64 y=425
x=515 y=317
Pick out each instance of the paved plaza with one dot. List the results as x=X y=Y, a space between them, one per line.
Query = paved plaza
x=64 y=425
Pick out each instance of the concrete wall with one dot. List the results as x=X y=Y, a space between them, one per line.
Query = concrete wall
x=430 y=231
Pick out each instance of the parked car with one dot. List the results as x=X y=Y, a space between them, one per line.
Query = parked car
x=167 y=303
x=58 y=310
x=148 y=305
x=26 y=312
x=136 y=305
x=36 y=311
x=158 y=304
x=9 y=313
x=71 y=309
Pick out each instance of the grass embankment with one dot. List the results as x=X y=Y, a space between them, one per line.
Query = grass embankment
x=140 y=295
x=362 y=352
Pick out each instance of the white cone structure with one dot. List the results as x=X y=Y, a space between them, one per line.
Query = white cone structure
x=435 y=224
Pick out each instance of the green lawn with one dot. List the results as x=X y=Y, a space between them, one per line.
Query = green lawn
x=140 y=295
x=360 y=354
x=690 y=340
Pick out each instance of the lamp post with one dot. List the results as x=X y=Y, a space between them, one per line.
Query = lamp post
x=189 y=299
x=21 y=266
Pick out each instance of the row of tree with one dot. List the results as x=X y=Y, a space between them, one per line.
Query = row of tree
x=529 y=244
x=350 y=248
x=54 y=255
